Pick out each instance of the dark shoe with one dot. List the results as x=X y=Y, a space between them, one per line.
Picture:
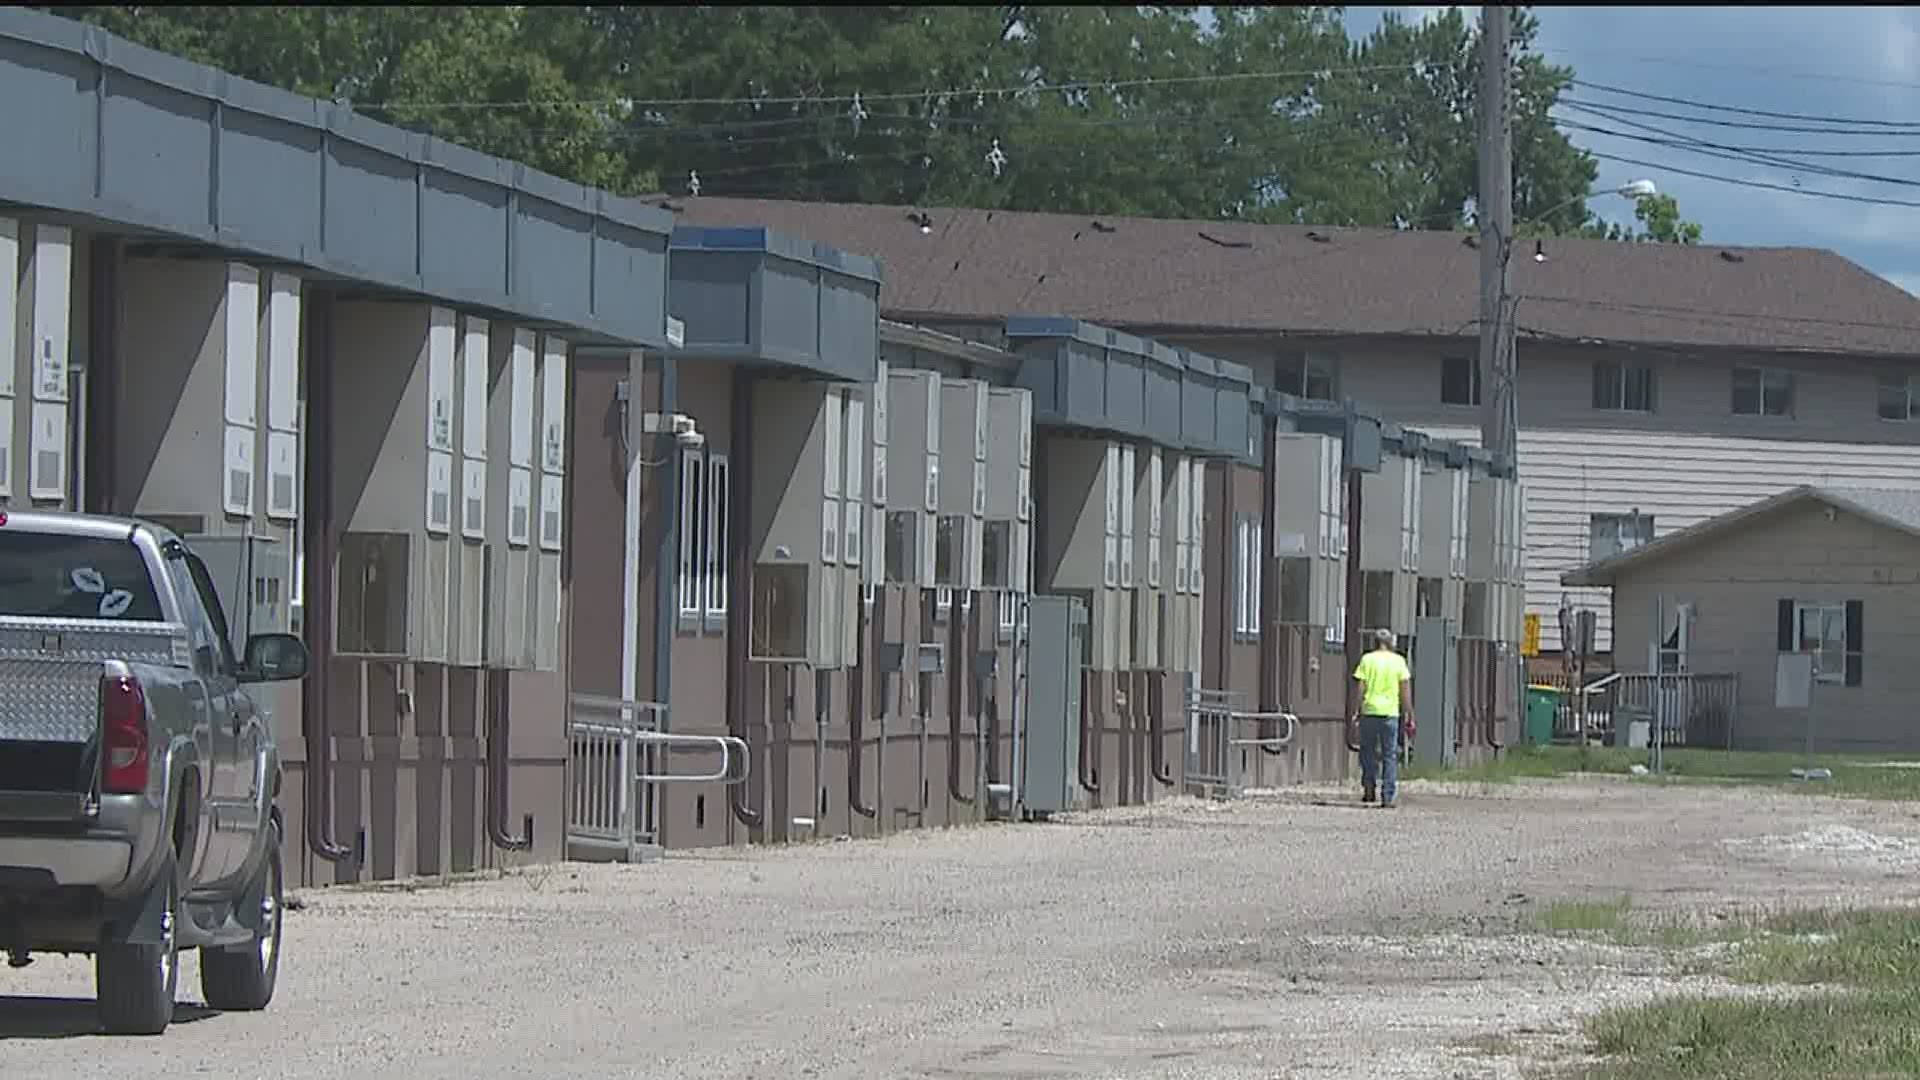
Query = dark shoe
x=1389 y=806
x=1367 y=795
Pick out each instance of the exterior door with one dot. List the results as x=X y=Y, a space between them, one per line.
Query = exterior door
x=232 y=788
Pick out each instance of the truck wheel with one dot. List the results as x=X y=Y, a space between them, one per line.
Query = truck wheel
x=135 y=983
x=240 y=978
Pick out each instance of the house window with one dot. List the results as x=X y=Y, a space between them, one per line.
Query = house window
x=1896 y=398
x=718 y=488
x=693 y=527
x=1246 y=591
x=1460 y=380
x=1308 y=375
x=1762 y=391
x=1613 y=534
x=1821 y=629
x=1621 y=387
x=1831 y=633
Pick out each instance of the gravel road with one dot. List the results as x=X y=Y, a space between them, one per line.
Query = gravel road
x=1291 y=934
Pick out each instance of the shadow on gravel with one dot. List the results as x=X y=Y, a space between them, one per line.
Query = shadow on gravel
x=68 y=1018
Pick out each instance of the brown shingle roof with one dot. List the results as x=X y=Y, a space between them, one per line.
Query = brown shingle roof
x=1284 y=279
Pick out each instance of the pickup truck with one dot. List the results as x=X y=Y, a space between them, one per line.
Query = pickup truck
x=137 y=774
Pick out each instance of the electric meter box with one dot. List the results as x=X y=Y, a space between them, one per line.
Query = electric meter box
x=804 y=586
x=1081 y=509
x=1008 y=531
x=225 y=459
x=964 y=420
x=1495 y=555
x=253 y=577
x=473 y=383
x=1145 y=516
x=1389 y=538
x=36 y=393
x=508 y=497
x=1183 y=514
x=1443 y=536
x=907 y=475
x=393 y=482
x=1310 y=528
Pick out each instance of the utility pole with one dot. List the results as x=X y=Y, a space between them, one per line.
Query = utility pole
x=1500 y=414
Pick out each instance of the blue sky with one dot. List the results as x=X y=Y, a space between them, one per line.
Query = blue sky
x=1856 y=63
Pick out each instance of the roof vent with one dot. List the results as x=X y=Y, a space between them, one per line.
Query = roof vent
x=1733 y=257
x=1470 y=240
x=1211 y=239
x=1103 y=227
x=1319 y=237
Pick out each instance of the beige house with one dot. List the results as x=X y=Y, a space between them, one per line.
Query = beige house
x=1659 y=385
x=1830 y=571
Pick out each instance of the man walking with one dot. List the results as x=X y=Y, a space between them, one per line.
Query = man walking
x=1383 y=701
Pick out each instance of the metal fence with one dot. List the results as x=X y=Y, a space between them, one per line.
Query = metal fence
x=616 y=759
x=1215 y=740
x=1688 y=709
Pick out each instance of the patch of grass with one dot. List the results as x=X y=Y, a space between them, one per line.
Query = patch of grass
x=1849 y=1036
x=1875 y=949
x=1870 y=1028
x=1584 y=916
x=1853 y=775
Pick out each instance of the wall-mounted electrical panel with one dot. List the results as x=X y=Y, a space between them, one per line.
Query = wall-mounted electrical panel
x=1443 y=540
x=1006 y=546
x=253 y=576
x=509 y=500
x=804 y=585
x=550 y=382
x=393 y=484
x=36 y=392
x=1056 y=636
x=1436 y=690
x=1145 y=516
x=964 y=422
x=1081 y=514
x=1496 y=556
x=873 y=469
x=1182 y=550
x=1389 y=541
x=473 y=383
x=1310 y=529
x=907 y=476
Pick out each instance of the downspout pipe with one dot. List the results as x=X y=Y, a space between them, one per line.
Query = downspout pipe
x=1156 y=706
x=1272 y=633
x=740 y=581
x=317 y=587
x=856 y=716
x=498 y=764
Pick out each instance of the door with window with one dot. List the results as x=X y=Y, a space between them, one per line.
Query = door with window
x=233 y=724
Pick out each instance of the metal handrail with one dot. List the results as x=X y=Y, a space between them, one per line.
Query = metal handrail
x=726 y=744
x=1293 y=723
x=1603 y=682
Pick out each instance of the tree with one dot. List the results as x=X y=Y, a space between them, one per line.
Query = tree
x=1261 y=113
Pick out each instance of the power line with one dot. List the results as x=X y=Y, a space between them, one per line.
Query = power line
x=1748 y=125
x=1717 y=150
x=912 y=95
x=1870 y=200
x=1741 y=110
x=1695 y=64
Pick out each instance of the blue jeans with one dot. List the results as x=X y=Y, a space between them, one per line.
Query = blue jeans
x=1380 y=752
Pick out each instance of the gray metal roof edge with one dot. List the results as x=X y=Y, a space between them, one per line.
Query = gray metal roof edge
x=749 y=239
x=1104 y=337
x=199 y=80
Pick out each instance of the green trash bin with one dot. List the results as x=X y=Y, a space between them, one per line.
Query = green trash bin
x=1543 y=702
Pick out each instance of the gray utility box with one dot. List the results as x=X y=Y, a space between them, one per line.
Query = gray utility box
x=35 y=388
x=1006 y=554
x=1056 y=640
x=1436 y=689
x=253 y=576
x=805 y=577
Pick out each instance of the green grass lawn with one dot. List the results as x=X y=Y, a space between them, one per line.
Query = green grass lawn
x=1853 y=775
x=1857 y=1014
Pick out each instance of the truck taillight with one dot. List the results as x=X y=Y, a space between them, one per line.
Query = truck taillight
x=123 y=735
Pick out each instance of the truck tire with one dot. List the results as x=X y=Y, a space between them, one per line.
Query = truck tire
x=135 y=984
x=240 y=978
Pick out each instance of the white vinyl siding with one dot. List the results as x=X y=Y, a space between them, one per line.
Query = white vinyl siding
x=1687 y=460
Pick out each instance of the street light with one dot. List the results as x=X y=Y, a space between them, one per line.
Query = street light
x=1632 y=189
